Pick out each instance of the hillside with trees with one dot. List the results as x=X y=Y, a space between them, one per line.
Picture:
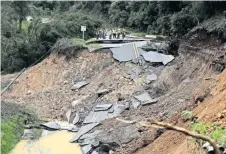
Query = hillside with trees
x=24 y=42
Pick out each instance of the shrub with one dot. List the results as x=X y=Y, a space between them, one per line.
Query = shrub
x=68 y=47
x=182 y=23
x=11 y=132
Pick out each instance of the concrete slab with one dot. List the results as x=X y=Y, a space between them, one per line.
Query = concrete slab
x=83 y=130
x=102 y=107
x=51 y=125
x=86 y=149
x=79 y=85
x=76 y=118
x=145 y=99
x=155 y=57
x=96 y=117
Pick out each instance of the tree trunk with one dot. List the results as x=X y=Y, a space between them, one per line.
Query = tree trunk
x=20 y=24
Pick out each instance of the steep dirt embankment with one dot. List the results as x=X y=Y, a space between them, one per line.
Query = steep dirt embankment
x=211 y=109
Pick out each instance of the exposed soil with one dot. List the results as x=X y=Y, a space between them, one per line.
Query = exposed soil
x=46 y=88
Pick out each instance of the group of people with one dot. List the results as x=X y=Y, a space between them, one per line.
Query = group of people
x=112 y=34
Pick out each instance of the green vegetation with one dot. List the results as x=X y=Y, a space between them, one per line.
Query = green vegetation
x=13 y=119
x=186 y=115
x=11 y=132
x=68 y=47
x=23 y=42
x=212 y=130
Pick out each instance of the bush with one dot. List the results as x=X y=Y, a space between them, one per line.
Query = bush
x=11 y=132
x=68 y=47
x=182 y=23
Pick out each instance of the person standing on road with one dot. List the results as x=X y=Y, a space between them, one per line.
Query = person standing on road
x=118 y=33
x=123 y=33
x=114 y=34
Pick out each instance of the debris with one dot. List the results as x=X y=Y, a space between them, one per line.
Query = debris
x=46 y=132
x=121 y=136
x=79 y=85
x=152 y=77
x=78 y=101
x=111 y=110
x=68 y=115
x=103 y=91
x=136 y=104
x=73 y=129
x=83 y=130
x=118 y=109
x=145 y=99
x=76 y=119
x=155 y=57
x=52 y=125
x=95 y=117
x=86 y=149
x=90 y=135
x=94 y=152
x=102 y=107
x=127 y=105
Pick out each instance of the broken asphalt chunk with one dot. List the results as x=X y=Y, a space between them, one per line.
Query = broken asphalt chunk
x=86 y=149
x=145 y=99
x=51 y=125
x=79 y=85
x=155 y=57
x=96 y=117
x=102 y=107
x=76 y=119
x=83 y=130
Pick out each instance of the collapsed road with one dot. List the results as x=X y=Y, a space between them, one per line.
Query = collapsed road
x=90 y=91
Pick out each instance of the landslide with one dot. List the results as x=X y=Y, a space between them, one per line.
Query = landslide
x=46 y=88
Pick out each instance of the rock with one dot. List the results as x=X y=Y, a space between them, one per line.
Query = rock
x=78 y=101
x=79 y=85
x=65 y=82
x=28 y=92
x=86 y=149
x=103 y=91
x=51 y=125
x=123 y=135
x=91 y=135
x=76 y=118
x=145 y=99
x=127 y=105
x=136 y=104
x=102 y=107
x=151 y=77
x=83 y=130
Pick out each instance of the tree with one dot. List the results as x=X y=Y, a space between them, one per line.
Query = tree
x=22 y=10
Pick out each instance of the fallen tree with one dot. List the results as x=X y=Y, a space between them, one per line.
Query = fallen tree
x=156 y=124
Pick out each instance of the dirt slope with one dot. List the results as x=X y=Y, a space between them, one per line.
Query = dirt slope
x=212 y=109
